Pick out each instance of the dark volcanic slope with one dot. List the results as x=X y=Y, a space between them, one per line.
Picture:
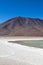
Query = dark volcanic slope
x=20 y=26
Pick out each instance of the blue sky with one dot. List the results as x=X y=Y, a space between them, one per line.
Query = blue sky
x=25 y=8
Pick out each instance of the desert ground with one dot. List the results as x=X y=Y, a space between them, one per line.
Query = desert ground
x=16 y=54
x=17 y=38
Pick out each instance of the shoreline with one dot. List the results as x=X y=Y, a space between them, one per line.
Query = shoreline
x=21 y=53
x=17 y=38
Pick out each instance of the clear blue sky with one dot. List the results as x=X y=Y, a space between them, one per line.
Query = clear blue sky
x=25 y=8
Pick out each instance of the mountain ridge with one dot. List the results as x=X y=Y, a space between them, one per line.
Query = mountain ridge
x=21 y=26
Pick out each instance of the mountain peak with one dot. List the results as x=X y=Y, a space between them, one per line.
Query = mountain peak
x=21 y=26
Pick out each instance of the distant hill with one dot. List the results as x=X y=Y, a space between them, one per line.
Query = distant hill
x=21 y=26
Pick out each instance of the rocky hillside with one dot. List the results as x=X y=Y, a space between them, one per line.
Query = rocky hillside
x=21 y=26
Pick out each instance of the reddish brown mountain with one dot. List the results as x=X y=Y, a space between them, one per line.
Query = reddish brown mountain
x=20 y=26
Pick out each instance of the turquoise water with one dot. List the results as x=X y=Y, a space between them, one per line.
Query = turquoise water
x=32 y=43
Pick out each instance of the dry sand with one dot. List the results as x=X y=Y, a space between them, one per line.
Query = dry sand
x=17 y=38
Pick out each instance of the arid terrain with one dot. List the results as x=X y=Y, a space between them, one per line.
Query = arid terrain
x=21 y=26
x=17 y=54
x=18 y=29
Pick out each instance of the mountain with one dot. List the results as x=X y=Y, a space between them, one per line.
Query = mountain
x=21 y=26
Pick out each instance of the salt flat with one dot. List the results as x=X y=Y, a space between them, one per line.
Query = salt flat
x=16 y=54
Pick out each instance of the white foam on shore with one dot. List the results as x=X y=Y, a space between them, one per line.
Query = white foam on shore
x=29 y=55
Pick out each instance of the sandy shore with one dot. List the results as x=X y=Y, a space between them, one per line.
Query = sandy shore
x=17 y=38
x=16 y=54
